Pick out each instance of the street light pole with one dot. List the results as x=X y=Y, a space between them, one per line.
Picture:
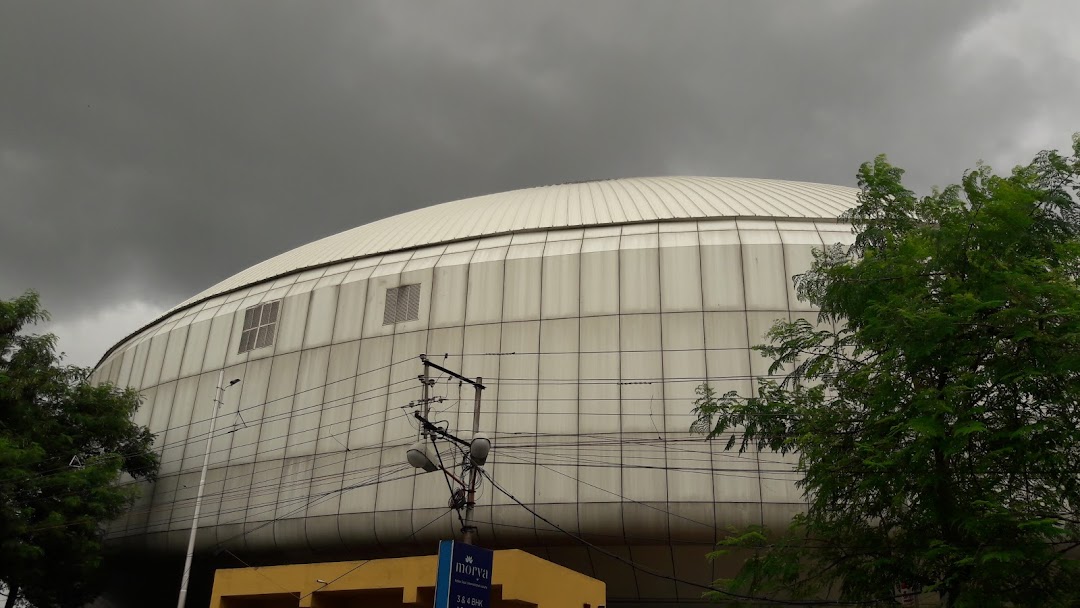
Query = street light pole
x=218 y=398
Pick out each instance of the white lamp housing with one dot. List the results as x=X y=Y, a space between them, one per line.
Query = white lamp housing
x=419 y=456
x=478 y=449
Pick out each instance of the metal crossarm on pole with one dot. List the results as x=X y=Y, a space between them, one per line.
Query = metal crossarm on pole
x=428 y=363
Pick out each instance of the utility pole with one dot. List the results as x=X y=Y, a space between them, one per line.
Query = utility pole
x=426 y=393
x=476 y=449
x=219 y=396
x=468 y=531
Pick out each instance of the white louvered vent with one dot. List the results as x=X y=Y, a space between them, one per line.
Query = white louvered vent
x=402 y=304
x=260 y=325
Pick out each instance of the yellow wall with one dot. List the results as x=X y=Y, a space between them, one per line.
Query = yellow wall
x=519 y=579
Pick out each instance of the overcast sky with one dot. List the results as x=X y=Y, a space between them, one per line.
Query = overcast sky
x=149 y=150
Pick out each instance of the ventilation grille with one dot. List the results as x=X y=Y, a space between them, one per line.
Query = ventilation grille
x=260 y=325
x=402 y=304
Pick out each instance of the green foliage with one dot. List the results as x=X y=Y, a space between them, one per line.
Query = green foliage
x=935 y=406
x=51 y=514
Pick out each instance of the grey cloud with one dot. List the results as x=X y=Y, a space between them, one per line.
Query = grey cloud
x=148 y=150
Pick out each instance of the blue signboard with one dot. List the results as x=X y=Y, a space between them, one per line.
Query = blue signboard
x=464 y=576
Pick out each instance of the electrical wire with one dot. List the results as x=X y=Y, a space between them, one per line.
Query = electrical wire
x=257 y=424
x=649 y=571
x=599 y=352
x=560 y=460
x=272 y=487
x=617 y=537
x=321 y=437
x=494 y=381
x=255 y=443
x=271 y=506
x=277 y=486
x=575 y=442
x=371 y=448
x=292 y=413
x=620 y=496
x=361 y=564
x=533 y=380
x=446 y=476
x=313 y=500
x=255 y=569
x=189 y=439
x=294 y=394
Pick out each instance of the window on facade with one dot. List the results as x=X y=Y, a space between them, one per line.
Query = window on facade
x=402 y=304
x=260 y=325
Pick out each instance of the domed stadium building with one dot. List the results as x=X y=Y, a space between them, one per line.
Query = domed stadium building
x=591 y=311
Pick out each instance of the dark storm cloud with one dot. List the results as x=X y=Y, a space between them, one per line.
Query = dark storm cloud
x=149 y=150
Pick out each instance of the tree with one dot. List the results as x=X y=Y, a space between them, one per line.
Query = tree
x=51 y=507
x=935 y=406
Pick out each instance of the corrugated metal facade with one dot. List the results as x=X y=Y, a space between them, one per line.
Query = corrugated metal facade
x=591 y=341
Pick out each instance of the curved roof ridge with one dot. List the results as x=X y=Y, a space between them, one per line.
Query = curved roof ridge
x=624 y=200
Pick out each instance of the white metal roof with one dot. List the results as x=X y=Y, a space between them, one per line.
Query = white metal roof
x=616 y=201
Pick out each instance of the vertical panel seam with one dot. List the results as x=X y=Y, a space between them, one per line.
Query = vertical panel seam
x=577 y=443
x=622 y=439
x=464 y=326
x=502 y=328
x=663 y=405
x=382 y=429
x=750 y=367
x=292 y=411
x=326 y=377
x=352 y=406
x=705 y=363
x=232 y=436
x=255 y=452
x=539 y=359
x=152 y=407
